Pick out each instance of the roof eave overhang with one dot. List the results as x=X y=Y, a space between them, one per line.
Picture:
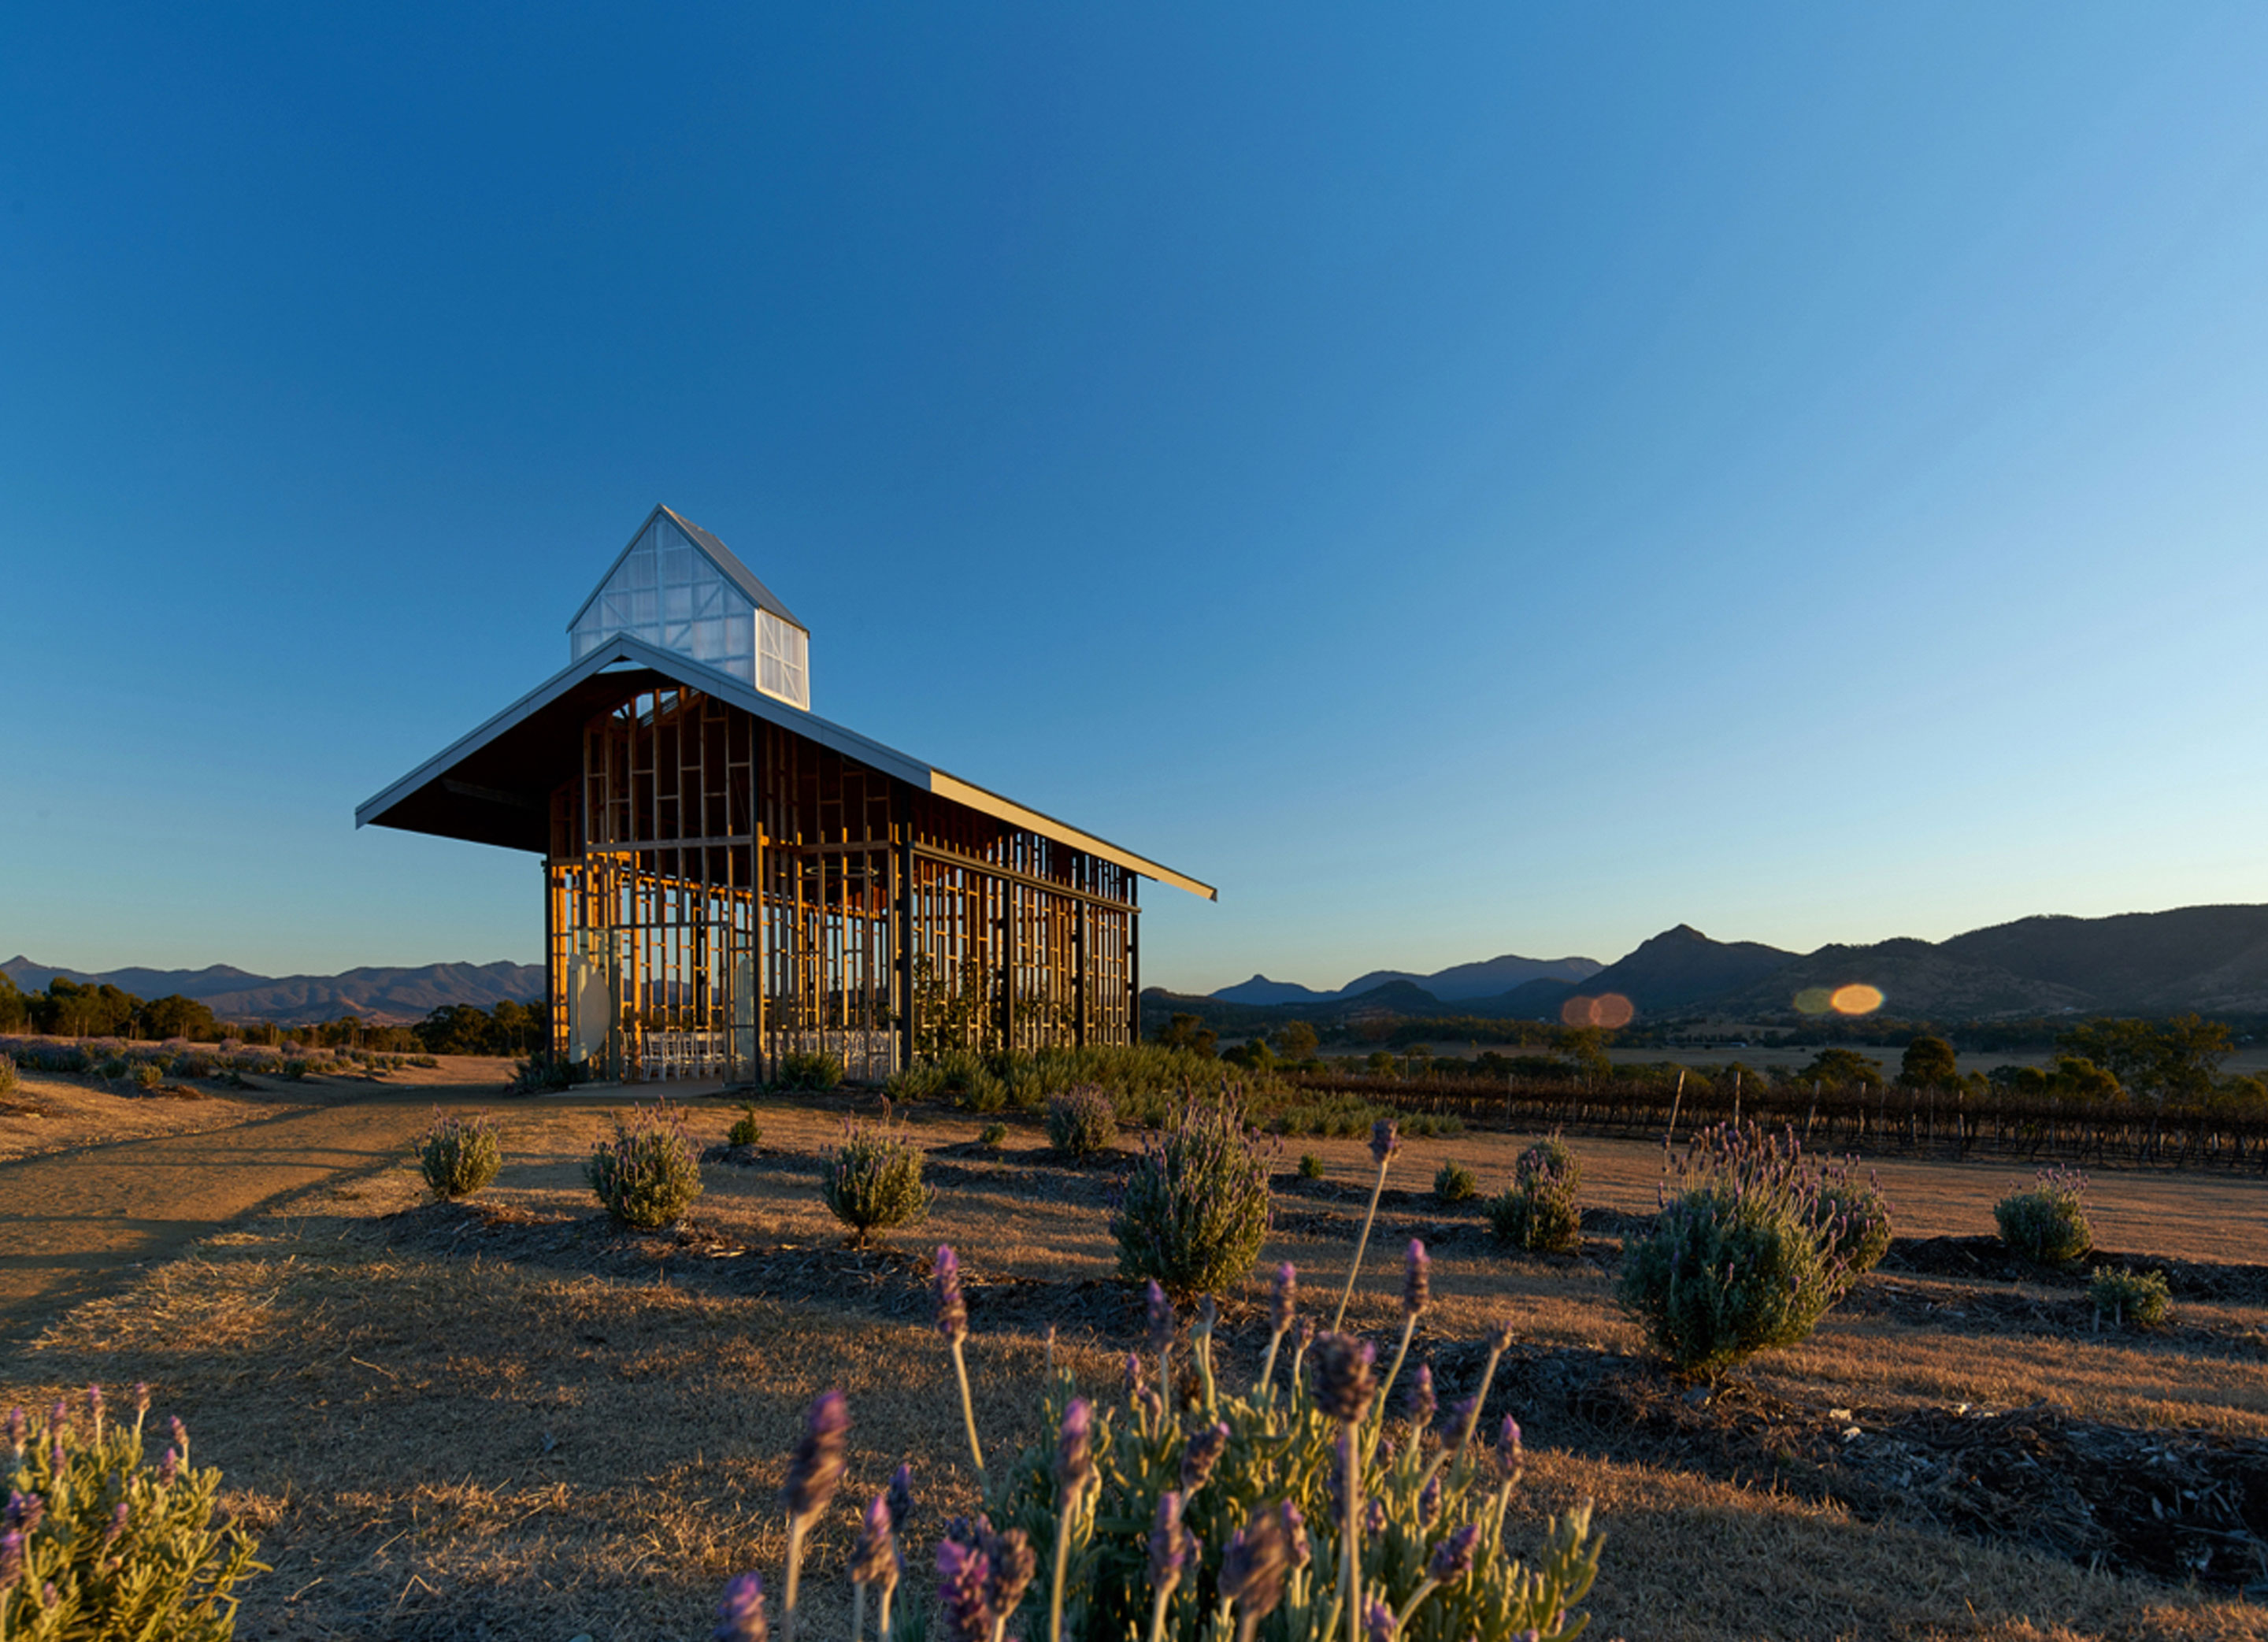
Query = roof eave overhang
x=443 y=769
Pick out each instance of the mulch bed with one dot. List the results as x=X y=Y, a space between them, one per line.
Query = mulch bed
x=1991 y=1260
x=2172 y=1505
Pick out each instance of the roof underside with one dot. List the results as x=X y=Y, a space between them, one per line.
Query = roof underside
x=493 y=785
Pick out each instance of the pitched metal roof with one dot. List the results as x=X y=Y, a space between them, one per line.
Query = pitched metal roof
x=492 y=785
x=727 y=563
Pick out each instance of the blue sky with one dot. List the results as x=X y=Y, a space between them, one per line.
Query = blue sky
x=1504 y=479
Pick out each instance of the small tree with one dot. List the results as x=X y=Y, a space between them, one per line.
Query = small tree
x=1928 y=1062
x=1296 y=1040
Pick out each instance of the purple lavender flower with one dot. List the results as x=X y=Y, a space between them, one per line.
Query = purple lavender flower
x=118 y=1519
x=169 y=1468
x=1201 y=1454
x=140 y=1397
x=1134 y=1373
x=1252 y=1565
x=1161 y=1318
x=1417 y=1280
x=94 y=1409
x=1377 y=1622
x=1342 y=1377
x=12 y=1558
x=952 y=1308
x=1500 y=1342
x=1453 y=1557
x=19 y=1422
x=740 y=1615
x=901 y=1498
x=1284 y=1304
x=1454 y=1416
x=1295 y=1533
x=179 y=1434
x=964 y=1577
x=1385 y=1140
x=1014 y=1562
x=1171 y=1546
x=1507 y=1439
x=1373 y=1516
x=816 y=1470
x=1429 y=1503
x=1075 y=1448
x=875 y=1555
x=58 y=1417
x=1422 y=1400
x=1304 y=1336
x=24 y=1511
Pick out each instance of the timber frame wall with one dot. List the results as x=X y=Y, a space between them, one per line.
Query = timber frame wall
x=722 y=892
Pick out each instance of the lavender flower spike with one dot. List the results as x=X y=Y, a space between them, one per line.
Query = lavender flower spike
x=1201 y=1454
x=817 y=1470
x=1295 y=1533
x=740 y=1615
x=1284 y=1304
x=1385 y=1140
x=901 y=1497
x=1453 y=1557
x=1169 y=1545
x=1507 y=1439
x=952 y=1308
x=1417 y=1280
x=1342 y=1377
x=12 y=1558
x=1422 y=1400
x=964 y=1577
x=1074 y=1448
x=19 y=1422
x=874 y=1555
x=1161 y=1318
x=1378 y=1622
x=1253 y=1568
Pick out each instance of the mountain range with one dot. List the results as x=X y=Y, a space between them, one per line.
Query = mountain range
x=378 y=996
x=2214 y=960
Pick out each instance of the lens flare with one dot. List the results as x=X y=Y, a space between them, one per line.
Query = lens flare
x=1856 y=999
x=1813 y=1000
x=1609 y=1009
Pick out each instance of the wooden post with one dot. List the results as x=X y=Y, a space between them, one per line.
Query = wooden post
x=1133 y=967
x=905 y=922
x=1668 y=1135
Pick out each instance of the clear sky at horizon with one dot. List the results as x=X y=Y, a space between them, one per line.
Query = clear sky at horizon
x=1467 y=481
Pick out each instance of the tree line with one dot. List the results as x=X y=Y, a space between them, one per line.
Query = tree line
x=66 y=1008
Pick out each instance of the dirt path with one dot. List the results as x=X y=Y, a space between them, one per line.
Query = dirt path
x=72 y=1224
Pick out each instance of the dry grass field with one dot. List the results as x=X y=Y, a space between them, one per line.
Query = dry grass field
x=505 y=1420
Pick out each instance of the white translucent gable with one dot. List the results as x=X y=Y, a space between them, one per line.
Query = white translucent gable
x=667 y=591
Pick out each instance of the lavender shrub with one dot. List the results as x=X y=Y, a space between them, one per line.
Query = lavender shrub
x=1197 y=1205
x=458 y=1155
x=874 y=1181
x=1082 y=1121
x=648 y=1174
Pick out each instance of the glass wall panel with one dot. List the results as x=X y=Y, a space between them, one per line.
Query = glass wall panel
x=785 y=661
x=666 y=593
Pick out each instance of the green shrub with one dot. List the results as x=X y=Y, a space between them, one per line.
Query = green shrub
x=1311 y=1166
x=745 y=1132
x=170 y=1571
x=874 y=1181
x=1452 y=1183
x=423 y=1060
x=1431 y=1125
x=459 y=1155
x=649 y=1172
x=1197 y=1205
x=993 y=1136
x=113 y=1067
x=1082 y=1121
x=814 y=1069
x=2047 y=1225
x=187 y=1064
x=1540 y=1211
x=148 y=1074
x=2133 y=1300
x=542 y=1072
x=296 y=1070
x=1740 y=1258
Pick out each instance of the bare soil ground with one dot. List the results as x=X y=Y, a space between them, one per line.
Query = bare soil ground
x=507 y=1419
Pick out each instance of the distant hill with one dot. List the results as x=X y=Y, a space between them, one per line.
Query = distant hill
x=1680 y=968
x=1489 y=978
x=378 y=996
